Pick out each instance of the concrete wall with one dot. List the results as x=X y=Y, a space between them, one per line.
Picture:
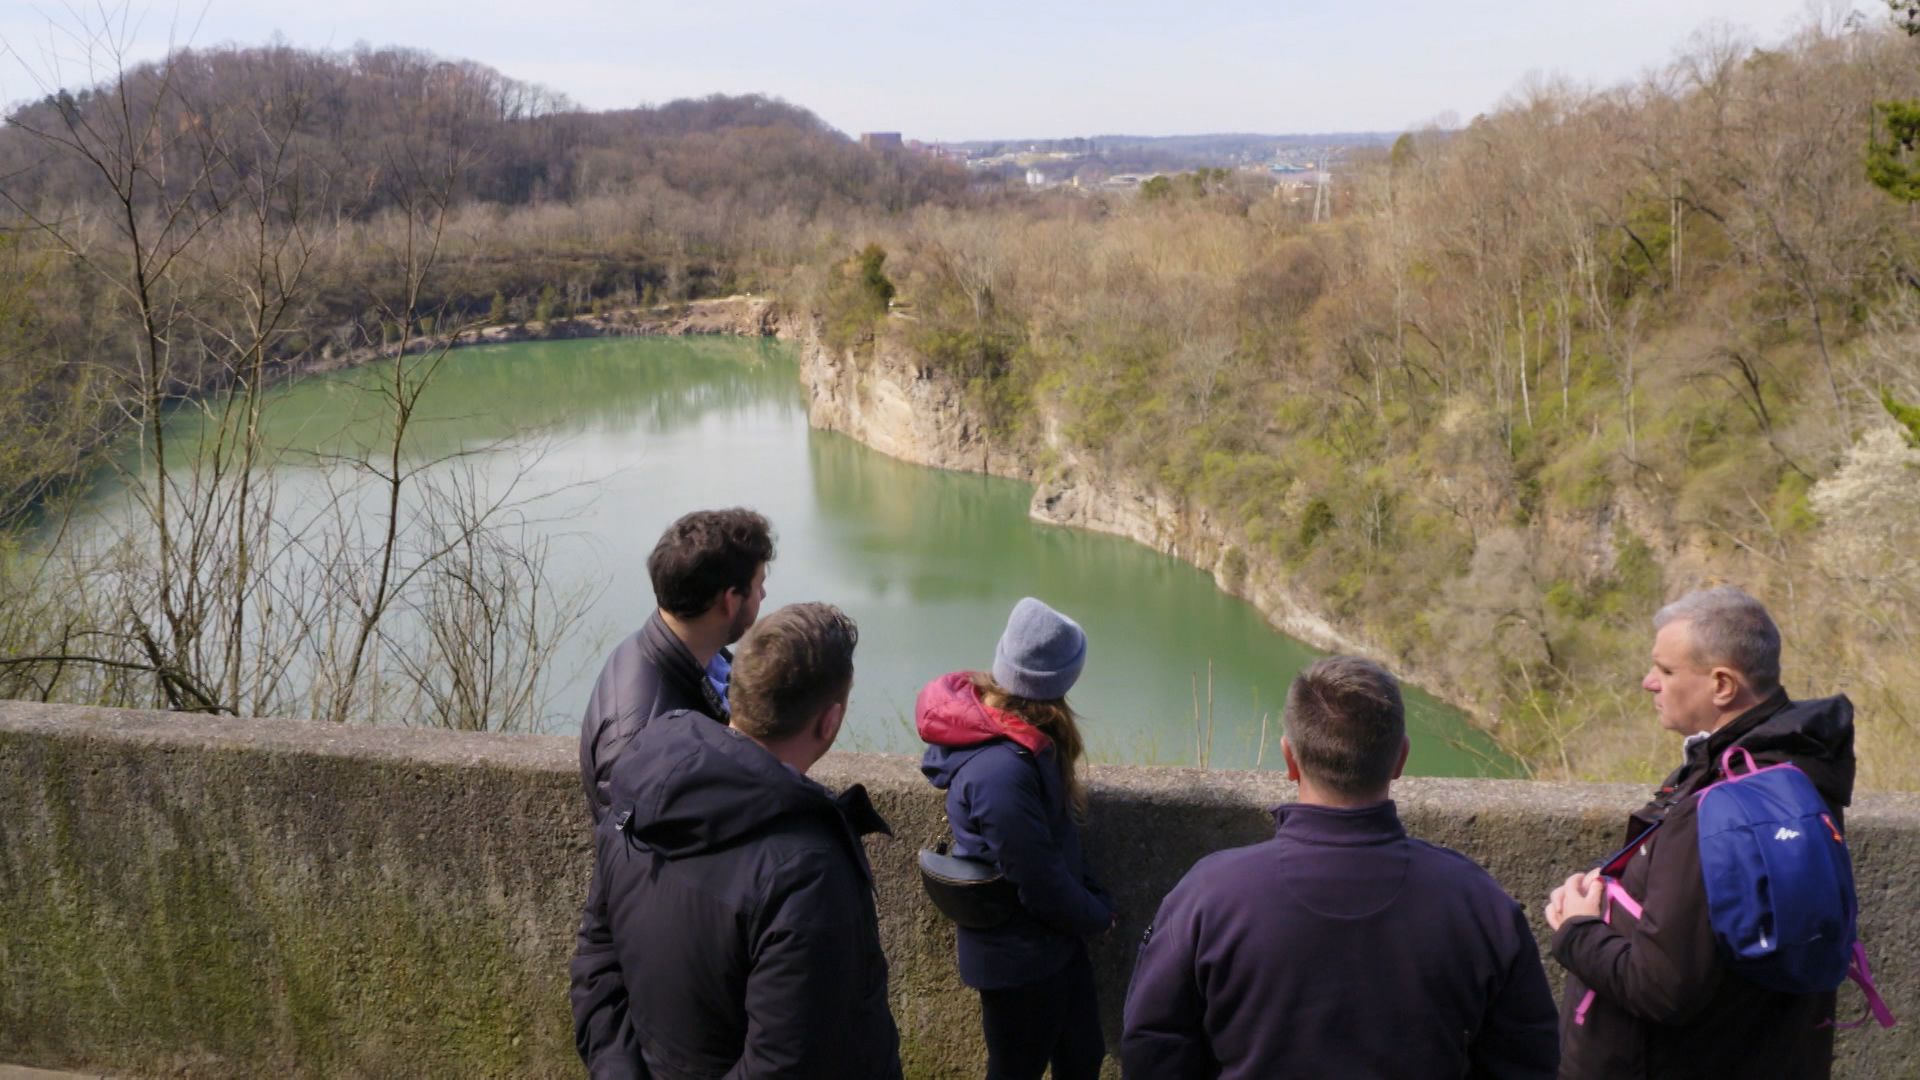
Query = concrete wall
x=193 y=896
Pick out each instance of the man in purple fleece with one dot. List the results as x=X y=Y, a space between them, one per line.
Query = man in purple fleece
x=1341 y=947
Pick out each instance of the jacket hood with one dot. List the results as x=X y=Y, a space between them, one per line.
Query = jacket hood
x=949 y=713
x=956 y=725
x=688 y=785
x=1816 y=735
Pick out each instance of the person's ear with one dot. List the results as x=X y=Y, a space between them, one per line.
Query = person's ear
x=1726 y=686
x=1406 y=748
x=827 y=724
x=1293 y=766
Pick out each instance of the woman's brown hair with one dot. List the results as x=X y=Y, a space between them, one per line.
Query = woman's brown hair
x=1056 y=720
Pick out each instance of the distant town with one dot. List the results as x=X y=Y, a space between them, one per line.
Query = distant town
x=1116 y=163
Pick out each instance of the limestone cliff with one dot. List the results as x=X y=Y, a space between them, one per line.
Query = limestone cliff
x=895 y=403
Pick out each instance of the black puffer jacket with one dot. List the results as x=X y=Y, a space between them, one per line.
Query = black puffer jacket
x=1665 y=1004
x=650 y=673
x=730 y=928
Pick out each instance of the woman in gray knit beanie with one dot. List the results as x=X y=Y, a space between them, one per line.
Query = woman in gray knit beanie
x=1005 y=746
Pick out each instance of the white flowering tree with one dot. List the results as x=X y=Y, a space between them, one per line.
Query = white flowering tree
x=1869 y=551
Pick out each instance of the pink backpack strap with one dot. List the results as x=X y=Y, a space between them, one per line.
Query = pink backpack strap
x=1726 y=761
x=1616 y=893
x=1862 y=975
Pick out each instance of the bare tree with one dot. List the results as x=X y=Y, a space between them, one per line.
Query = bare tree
x=226 y=598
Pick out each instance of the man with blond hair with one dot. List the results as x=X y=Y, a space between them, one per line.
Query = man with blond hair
x=1342 y=946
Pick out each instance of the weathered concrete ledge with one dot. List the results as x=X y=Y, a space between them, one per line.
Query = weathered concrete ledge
x=212 y=897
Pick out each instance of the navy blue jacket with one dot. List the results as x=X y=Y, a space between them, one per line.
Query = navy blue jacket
x=1341 y=947
x=1007 y=804
x=730 y=927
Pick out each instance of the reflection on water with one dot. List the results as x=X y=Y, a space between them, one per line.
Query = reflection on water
x=641 y=430
x=903 y=527
x=494 y=392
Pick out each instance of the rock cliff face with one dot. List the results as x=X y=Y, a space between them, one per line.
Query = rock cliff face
x=893 y=403
x=897 y=405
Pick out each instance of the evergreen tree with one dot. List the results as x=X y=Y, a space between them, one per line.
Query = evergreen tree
x=1889 y=163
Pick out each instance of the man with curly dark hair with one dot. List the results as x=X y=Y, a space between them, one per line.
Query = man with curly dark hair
x=709 y=573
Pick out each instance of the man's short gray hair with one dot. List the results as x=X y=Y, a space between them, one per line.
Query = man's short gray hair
x=1730 y=629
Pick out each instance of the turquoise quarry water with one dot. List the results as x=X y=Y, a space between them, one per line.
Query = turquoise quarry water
x=637 y=431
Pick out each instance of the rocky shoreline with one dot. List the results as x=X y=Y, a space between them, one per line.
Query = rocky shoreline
x=744 y=315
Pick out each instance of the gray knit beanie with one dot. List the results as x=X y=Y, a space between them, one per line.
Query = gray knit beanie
x=1040 y=654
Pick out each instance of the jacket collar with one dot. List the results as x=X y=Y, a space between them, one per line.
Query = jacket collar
x=1700 y=759
x=665 y=649
x=858 y=811
x=1376 y=824
x=1701 y=763
x=857 y=817
x=1737 y=728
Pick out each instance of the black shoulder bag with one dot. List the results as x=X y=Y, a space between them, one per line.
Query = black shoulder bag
x=971 y=892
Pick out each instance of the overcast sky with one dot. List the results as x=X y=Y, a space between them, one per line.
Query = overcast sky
x=964 y=69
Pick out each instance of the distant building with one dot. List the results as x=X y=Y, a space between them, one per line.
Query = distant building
x=936 y=151
x=882 y=140
x=1036 y=178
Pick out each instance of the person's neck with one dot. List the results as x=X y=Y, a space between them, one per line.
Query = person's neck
x=1312 y=794
x=796 y=754
x=700 y=637
x=1739 y=707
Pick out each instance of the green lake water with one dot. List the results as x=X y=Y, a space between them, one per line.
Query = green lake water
x=637 y=431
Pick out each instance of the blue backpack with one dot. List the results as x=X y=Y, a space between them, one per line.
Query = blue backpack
x=1779 y=882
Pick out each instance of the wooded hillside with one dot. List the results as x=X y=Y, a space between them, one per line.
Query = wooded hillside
x=1539 y=375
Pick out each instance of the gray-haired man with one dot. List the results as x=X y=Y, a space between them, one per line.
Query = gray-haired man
x=1662 y=1001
